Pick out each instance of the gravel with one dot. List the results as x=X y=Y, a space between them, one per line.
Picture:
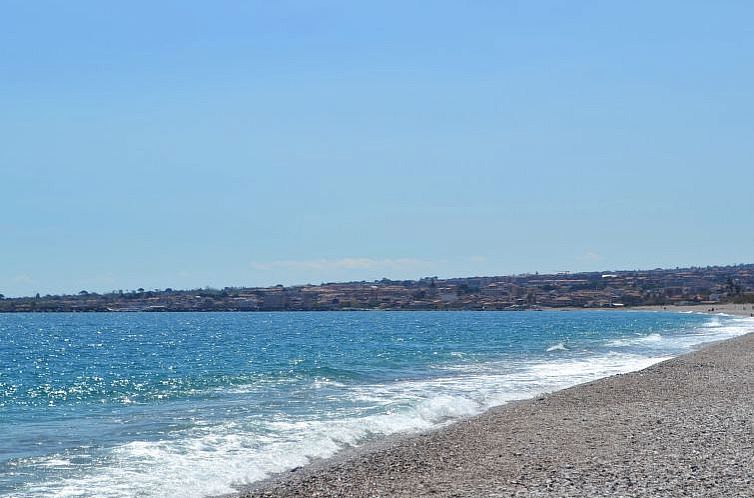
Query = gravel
x=683 y=427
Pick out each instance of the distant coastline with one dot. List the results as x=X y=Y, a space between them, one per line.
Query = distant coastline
x=705 y=287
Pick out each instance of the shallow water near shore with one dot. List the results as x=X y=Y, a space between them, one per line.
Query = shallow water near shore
x=140 y=404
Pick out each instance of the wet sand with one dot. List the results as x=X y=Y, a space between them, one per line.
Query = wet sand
x=745 y=310
x=729 y=309
x=683 y=427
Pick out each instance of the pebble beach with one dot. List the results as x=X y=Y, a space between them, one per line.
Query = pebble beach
x=682 y=427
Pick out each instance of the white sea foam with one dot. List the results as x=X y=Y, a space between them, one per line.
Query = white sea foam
x=211 y=459
x=560 y=346
x=55 y=462
x=638 y=340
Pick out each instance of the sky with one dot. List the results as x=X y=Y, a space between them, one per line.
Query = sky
x=249 y=143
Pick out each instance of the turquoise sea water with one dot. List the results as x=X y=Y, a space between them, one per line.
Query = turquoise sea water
x=163 y=404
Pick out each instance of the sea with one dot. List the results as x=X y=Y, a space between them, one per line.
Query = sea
x=202 y=404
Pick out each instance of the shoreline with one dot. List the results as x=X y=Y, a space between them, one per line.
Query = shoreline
x=633 y=434
x=743 y=310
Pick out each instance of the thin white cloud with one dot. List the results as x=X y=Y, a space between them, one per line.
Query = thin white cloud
x=342 y=264
x=592 y=256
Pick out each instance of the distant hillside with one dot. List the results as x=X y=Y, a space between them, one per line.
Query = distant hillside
x=709 y=285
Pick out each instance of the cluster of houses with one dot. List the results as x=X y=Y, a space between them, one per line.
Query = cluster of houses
x=583 y=290
x=707 y=285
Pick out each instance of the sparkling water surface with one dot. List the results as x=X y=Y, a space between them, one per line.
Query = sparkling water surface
x=197 y=404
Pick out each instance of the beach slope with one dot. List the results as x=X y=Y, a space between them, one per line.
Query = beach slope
x=683 y=427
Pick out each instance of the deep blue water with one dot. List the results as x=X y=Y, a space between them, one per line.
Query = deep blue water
x=163 y=404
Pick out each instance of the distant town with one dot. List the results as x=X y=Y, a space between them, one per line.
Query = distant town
x=610 y=289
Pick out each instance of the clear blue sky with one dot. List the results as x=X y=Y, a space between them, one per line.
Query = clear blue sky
x=183 y=144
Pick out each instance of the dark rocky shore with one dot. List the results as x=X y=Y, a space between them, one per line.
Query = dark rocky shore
x=684 y=427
